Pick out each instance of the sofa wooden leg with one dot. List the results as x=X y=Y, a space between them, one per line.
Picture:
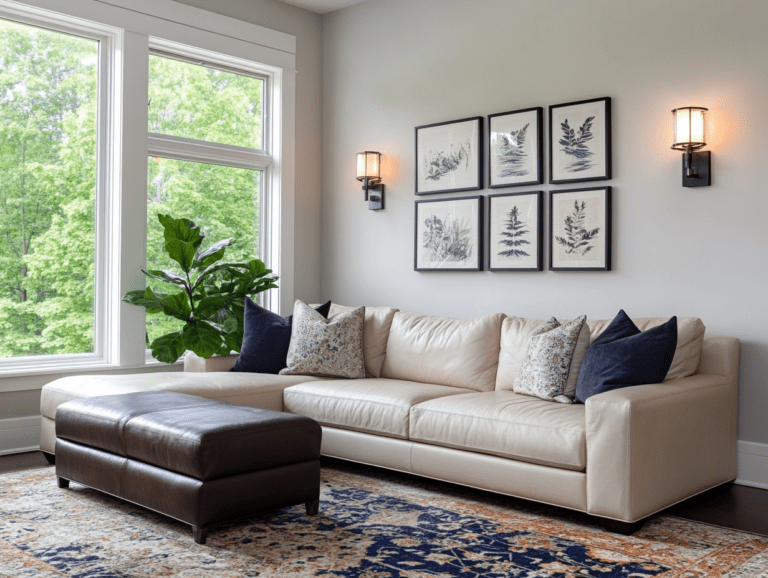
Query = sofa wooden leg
x=623 y=528
x=313 y=507
x=50 y=458
x=200 y=534
x=63 y=482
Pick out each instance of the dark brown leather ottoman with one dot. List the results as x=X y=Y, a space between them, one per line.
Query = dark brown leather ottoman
x=196 y=460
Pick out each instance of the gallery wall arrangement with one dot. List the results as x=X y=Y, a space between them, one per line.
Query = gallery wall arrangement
x=448 y=232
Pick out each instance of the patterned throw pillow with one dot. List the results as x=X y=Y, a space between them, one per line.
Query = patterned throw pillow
x=327 y=347
x=544 y=372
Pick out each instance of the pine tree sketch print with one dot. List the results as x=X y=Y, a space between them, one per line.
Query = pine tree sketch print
x=574 y=145
x=438 y=164
x=447 y=239
x=514 y=230
x=510 y=153
x=578 y=238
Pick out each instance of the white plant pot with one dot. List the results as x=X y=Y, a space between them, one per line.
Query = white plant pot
x=216 y=363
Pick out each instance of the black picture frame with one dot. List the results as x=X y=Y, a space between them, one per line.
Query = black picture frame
x=439 y=215
x=449 y=156
x=528 y=123
x=532 y=204
x=581 y=151
x=590 y=220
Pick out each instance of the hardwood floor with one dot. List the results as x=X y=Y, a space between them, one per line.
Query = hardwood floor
x=731 y=506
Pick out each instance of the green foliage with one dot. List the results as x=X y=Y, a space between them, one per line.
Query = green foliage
x=48 y=84
x=48 y=145
x=211 y=301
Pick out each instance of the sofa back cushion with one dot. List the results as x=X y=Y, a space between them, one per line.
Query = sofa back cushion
x=516 y=335
x=690 y=339
x=378 y=321
x=454 y=352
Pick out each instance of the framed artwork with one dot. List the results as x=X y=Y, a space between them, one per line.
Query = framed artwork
x=515 y=231
x=448 y=235
x=580 y=141
x=580 y=230
x=449 y=156
x=515 y=148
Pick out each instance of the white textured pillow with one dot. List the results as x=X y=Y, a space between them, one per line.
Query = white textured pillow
x=329 y=347
x=547 y=363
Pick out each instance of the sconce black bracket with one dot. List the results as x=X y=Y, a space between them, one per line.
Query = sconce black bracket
x=701 y=163
x=374 y=194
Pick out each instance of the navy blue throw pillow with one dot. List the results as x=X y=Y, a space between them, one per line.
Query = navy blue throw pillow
x=266 y=338
x=623 y=356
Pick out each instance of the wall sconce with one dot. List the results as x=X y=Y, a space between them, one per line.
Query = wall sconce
x=369 y=171
x=688 y=135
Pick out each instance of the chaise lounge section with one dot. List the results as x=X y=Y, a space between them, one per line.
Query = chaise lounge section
x=438 y=402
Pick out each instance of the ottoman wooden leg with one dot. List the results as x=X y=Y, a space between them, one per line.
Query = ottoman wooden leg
x=200 y=534
x=313 y=507
x=63 y=482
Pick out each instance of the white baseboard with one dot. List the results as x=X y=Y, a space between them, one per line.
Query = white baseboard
x=19 y=434
x=753 y=464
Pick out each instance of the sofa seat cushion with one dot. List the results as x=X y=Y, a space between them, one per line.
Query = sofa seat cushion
x=261 y=390
x=377 y=405
x=505 y=424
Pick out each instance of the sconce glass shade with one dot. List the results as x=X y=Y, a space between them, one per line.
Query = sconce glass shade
x=369 y=165
x=688 y=128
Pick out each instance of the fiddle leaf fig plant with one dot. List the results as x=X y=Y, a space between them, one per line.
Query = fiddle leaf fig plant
x=208 y=294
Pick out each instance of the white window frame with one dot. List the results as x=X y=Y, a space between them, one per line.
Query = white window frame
x=109 y=39
x=200 y=151
x=128 y=29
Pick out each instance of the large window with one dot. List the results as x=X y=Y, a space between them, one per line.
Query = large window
x=48 y=183
x=194 y=110
x=109 y=115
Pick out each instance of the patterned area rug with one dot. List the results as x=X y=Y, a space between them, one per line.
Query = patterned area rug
x=371 y=524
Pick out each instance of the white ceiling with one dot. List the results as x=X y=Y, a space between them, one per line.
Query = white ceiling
x=322 y=6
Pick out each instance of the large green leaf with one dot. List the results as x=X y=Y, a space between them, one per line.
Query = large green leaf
x=203 y=338
x=182 y=230
x=172 y=304
x=213 y=254
x=209 y=306
x=169 y=347
x=181 y=252
x=166 y=276
x=145 y=298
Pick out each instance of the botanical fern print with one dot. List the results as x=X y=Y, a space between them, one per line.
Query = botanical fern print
x=439 y=164
x=547 y=362
x=447 y=239
x=575 y=145
x=578 y=239
x=326 y=347
x=511 y=155
x=514 y=235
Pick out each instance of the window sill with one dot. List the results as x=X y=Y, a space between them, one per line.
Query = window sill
x=65 y=368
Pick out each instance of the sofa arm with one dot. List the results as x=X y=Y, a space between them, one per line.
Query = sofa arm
x=651 y=446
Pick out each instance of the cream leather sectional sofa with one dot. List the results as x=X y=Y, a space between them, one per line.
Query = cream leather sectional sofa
x=438 y=402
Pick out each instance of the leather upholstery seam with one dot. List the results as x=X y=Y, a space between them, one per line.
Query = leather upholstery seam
x=488 y=452
x=495 y=420
x=381 y=403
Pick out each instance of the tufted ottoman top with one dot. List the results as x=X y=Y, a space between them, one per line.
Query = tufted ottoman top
x=200 y=438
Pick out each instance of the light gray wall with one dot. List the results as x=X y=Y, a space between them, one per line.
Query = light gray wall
x=307 y=28
x=390 y=65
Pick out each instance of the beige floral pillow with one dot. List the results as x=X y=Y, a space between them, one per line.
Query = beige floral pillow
x=329 y=347
x=547 y=363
